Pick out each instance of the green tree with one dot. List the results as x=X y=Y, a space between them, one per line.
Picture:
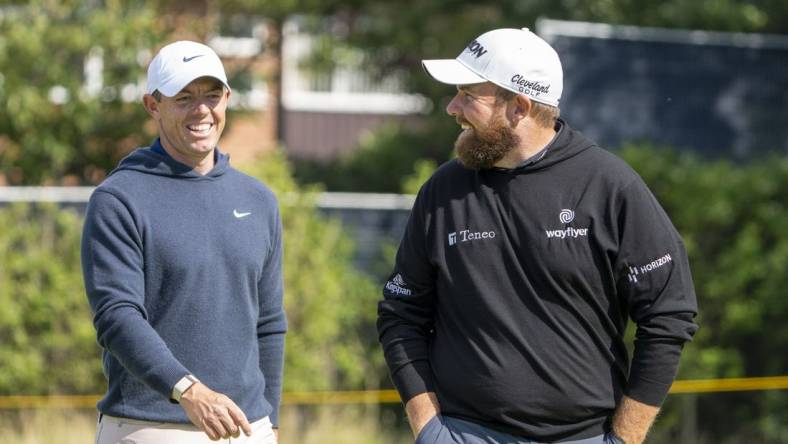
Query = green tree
x=49 y=344
x=331 y=306
x=48 y=339
x=395 y=36
x=732 y=219
x=381 y=161
x=63 y=116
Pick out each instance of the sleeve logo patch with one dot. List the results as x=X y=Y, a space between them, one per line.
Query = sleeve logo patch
x=397 y=286
x=647 y=268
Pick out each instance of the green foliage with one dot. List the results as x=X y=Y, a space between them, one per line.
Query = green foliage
x=396 y=36
x=383 y=159
x=731 y=218
x=421 y=172
x=53 y=126
x=48 y=339
x=331 y=307
x=733 y=221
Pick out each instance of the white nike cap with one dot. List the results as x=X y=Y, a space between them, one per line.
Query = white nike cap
x=514 y=59
x=179 y=63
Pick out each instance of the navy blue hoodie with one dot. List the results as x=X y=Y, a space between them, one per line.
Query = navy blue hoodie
x=184 y=275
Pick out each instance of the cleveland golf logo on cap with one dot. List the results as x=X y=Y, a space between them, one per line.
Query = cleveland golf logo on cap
x=528 y=87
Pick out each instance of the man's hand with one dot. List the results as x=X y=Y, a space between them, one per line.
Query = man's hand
x=420 y=409
x=214 y=413
x=633 y=419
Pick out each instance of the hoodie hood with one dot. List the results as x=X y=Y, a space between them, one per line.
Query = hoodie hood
x=566 y=143
x=154 y=160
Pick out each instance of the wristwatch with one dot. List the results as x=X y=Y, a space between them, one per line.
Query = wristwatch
x=181 y=386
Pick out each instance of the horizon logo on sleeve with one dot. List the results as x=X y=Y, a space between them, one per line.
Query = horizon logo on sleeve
x=648 y=267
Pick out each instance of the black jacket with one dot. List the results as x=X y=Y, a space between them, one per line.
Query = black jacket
x=512 y=290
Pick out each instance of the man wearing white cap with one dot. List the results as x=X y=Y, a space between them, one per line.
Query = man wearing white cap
x=521 y=264
x=182 y=260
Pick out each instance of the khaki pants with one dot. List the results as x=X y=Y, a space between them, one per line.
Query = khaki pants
x=111 y=430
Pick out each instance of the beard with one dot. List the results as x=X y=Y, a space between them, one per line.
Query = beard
x=482 y=148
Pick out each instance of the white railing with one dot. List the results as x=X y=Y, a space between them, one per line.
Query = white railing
x=332 y=200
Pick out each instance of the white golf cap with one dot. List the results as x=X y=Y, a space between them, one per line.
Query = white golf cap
x=514 y=59
x=179 y=63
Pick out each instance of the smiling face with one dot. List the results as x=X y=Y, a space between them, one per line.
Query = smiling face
x=487 y=136
x=191 y=122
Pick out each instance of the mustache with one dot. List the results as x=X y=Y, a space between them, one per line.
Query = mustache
x=461 y=121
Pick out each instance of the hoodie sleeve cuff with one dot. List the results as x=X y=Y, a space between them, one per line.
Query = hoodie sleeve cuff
x=648 y=392
x=413 y=379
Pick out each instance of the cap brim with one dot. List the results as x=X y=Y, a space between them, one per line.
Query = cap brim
x=451 y=71
x=174 y=86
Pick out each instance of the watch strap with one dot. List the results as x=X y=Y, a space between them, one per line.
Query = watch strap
x=182 y=385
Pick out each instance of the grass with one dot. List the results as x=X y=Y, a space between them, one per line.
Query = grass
x=313 y=425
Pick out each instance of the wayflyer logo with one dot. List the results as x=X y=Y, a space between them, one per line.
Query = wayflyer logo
x=566 y=216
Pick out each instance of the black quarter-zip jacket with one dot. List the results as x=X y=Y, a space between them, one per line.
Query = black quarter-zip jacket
x=512 y=290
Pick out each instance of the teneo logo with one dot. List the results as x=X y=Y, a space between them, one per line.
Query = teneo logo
x=468 y=235
x=528 y=87
x=397 y=286
x=476 y=49
x=566 y=216
x=648 y=267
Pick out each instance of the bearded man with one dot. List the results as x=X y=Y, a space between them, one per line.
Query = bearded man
x=522 y=262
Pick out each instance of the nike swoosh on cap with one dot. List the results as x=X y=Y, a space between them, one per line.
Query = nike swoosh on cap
x=189 y=59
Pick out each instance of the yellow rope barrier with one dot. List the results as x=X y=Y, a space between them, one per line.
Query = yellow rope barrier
x=50 y=401
x=730 y=384
x=391 y=396
x=343 y=397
